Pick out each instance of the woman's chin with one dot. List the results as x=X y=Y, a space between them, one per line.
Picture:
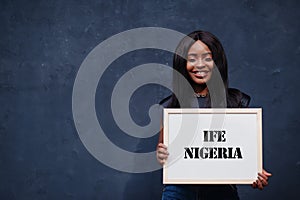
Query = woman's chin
x=200 y=81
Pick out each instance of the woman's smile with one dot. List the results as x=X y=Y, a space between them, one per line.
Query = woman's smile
x=200 y=73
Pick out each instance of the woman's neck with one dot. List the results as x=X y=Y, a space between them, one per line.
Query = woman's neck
x=201 y=89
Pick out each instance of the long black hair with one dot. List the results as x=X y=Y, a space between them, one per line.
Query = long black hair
x=233 y=96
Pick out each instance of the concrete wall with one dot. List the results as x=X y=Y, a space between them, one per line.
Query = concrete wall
x=43 y=44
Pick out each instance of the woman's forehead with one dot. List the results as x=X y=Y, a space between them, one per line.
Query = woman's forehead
x=199 y=48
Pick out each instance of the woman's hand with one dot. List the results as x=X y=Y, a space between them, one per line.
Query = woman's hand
x=161 y=153
x=262 y=180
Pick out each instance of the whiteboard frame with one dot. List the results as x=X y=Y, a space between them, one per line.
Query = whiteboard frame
x=238 y=111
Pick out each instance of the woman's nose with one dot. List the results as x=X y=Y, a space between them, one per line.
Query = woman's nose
x=199 y=64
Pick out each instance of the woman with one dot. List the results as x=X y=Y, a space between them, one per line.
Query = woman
x=200 y=58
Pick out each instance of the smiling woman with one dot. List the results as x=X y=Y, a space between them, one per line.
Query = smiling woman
x=199 y=60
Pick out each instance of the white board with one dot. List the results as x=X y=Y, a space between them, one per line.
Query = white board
x=196 y=158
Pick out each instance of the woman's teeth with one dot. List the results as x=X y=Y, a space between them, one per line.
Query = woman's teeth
x=201 y=72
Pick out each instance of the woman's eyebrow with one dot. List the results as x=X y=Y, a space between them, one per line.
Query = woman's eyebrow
x=192 y=54
x=204 y=54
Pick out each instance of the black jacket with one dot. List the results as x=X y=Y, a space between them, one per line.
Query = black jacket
x=241 y=98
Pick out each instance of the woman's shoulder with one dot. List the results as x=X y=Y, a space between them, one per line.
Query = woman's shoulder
x=166 y=101
x=239 y=98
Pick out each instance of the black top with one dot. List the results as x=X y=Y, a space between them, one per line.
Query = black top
x=240 y=97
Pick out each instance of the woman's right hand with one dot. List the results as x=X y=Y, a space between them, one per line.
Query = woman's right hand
x=161 y=153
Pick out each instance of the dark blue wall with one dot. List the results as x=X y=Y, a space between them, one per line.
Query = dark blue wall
x=42 y=45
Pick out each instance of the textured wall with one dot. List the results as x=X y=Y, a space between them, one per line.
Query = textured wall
x=43 y=44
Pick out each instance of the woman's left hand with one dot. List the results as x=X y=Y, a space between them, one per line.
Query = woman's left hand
x=262 y=180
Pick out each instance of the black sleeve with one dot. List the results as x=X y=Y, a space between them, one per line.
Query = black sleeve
x=245 y=100
x=166 y=101
x=237 y=99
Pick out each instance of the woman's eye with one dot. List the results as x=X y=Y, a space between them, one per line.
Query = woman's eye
x=208 y=59
x=192 y=60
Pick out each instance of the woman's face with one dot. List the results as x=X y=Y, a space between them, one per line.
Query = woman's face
x=199 y=63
